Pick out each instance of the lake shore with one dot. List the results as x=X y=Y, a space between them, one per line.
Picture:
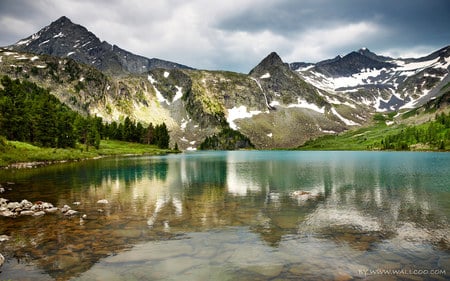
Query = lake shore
x=18 y=155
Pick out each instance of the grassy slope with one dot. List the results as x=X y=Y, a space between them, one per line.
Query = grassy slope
x=366 y=138
x=15 y=152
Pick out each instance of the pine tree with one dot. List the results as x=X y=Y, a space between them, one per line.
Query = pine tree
x=150 y=134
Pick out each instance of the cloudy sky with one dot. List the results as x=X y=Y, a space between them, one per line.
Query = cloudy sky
x=236 y=34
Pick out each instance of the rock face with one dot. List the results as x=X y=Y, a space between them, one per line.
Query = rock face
x=383 y=83
x=351 y=64
x=63 y=38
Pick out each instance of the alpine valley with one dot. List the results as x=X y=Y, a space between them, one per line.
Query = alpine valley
x=275 y=105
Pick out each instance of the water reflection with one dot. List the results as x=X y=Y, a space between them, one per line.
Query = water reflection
x=337 y=204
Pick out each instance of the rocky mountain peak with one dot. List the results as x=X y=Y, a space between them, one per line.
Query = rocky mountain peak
x=367 y=53
x=270 y=64
x=352 y=63
x=63 y=20
x=272 y=59
x=63 y=38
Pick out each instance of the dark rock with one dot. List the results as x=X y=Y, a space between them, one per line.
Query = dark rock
x=63 y=38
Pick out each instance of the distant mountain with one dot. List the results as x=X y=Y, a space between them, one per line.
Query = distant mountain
x=351 y=64
x=381 y=82
x=62 y=38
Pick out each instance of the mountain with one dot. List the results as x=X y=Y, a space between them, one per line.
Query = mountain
x=276 y=105
x=383 y=83
x=63 y=38
x=351 y=64
x=273 y=106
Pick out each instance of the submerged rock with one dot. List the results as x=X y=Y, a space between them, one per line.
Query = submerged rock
x=102 y=201
x=70 y=213
x=4 y=238
x=302 y=195
x=65 y=209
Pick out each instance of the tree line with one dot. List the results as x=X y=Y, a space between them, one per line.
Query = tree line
x=435 y=133
x=29 y=113
x=227 y=139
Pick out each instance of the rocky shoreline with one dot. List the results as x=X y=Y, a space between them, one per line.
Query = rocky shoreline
x=12 y=209
x=37 y=164
x=26 y=208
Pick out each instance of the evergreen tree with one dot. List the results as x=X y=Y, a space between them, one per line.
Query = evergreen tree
x=150 y=134
x=161 y=136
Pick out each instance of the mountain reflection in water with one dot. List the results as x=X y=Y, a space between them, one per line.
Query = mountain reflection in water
x=359 y=210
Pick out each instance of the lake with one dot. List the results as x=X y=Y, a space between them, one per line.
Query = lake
x=238 y=215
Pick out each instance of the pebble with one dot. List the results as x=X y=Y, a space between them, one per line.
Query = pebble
x=51 y=210
x=268 y=270
x=38 y=214
x=4 y=238
x=65 y=209
x=70 y=213
x=27 y=213
x=102 y=201
x=342 y=276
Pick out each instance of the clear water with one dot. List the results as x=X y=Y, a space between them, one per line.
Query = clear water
x=248 y=215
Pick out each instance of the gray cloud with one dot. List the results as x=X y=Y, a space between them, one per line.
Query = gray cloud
x=236 y=34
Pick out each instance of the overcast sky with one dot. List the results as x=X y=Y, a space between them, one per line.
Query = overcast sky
x=236 y=34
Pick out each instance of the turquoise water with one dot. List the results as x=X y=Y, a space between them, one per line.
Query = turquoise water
x=246 y=215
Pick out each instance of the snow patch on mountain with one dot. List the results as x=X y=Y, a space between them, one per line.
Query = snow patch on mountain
x=417 y=66
x=400 y=83
x=343 y=119
x=159 y=96
x=304 y=104
x=265 y=76
x=239 y=113
x=178 y=94
x=60 y=34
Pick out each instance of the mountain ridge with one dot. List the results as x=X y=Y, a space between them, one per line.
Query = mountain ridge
x=384 y=83
x=275 y=105
x=63 y=38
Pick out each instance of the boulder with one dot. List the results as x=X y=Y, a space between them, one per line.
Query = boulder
x=102 y=201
